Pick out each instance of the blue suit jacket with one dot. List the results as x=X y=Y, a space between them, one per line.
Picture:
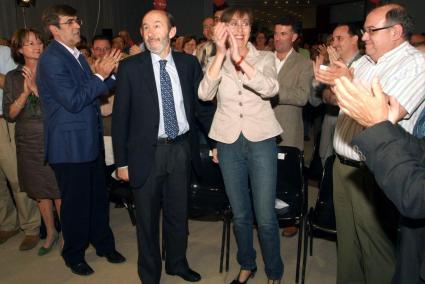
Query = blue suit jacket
x=69 y=91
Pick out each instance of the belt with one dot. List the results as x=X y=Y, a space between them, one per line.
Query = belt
x=1 y=116
x=167 y=140
x=351 y=163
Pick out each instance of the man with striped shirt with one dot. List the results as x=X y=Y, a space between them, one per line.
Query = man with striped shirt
x=366 y=220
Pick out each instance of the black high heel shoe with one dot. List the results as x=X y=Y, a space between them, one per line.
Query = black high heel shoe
x=251 y=275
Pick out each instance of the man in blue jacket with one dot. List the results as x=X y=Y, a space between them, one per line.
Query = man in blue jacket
x=73 y=137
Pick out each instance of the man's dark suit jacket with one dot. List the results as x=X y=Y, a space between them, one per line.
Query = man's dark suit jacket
x=397 y=160
x=135 y=116
x=69 y=92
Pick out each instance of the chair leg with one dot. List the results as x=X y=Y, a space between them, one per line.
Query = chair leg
x=228 y=243
x=311 y=236
x=223 y=243
x=307 y=233
x=300 y=238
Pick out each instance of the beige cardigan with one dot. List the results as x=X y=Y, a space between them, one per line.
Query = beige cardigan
x=243 y=105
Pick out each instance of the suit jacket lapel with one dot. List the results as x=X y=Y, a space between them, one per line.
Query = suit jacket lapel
x=289 y=64
x=71 y=59
x=182 y=71
x=85 y=65
x=146 y=70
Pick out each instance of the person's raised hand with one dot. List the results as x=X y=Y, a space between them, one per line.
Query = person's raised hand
x=366 y=107
x=104 y=66
x=220 y=37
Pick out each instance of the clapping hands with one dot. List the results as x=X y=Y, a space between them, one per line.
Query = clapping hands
x=328 y=74
x=225 y=42
x=29 y=82
x=106 y=65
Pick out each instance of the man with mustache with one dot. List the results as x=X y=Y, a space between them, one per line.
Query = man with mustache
x=155 y=140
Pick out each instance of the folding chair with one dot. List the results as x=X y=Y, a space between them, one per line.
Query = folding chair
x=322 y=217
x=291 y=188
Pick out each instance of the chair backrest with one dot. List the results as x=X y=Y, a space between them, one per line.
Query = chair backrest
x=207 y=196
x=290 y=180
x=323 y=214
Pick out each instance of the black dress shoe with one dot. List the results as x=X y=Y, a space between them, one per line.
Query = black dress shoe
x=81 y=268
x=113 y=257
x=187 y=274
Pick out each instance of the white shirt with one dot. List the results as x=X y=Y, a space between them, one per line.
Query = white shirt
x=401 y=72
x=280 y=63
x=6 y=64
x=177 y=94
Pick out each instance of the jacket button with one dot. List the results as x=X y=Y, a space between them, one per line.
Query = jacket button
x=240 y=103
x=241 y=115
x=240 y=93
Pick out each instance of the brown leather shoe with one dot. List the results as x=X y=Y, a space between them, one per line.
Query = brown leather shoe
x=5 y=235
x=289 y=231
x=29 y=242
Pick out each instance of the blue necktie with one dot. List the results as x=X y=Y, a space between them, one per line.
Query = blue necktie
x=168 y=109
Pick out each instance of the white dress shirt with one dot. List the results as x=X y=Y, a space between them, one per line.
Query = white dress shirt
x=401 y=72
x=177 y=94
x=280 y=63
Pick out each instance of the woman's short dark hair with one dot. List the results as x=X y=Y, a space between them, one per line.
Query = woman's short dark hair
x=17 y=42
x=189 y=38
x=228 y=13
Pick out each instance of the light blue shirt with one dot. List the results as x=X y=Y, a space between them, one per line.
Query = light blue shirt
x=177 y=94
x=6 y=64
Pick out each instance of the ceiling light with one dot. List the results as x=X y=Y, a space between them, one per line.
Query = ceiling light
x=25 y=3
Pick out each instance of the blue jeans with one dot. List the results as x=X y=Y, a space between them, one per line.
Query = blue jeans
x=258 y=161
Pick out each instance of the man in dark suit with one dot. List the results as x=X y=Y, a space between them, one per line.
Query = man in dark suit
x=154 y=142
x=73 y=137
x=397 y=160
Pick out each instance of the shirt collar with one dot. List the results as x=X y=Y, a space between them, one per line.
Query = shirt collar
x=252 y=51
x=389 y=54
x=349 y=61
x=156 y=58
x=74 y=51
x=287 y=55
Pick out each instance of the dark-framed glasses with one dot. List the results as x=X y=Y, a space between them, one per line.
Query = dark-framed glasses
x=71 y=21
x=371 y=30
x=233 y=24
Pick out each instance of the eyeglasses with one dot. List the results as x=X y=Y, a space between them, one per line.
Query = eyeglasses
x=71 y=21
x=235 y=23
x=31 y=43
x=371 y=31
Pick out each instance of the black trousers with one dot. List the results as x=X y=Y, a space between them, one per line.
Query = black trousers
x=168 y=185
x=84 y=210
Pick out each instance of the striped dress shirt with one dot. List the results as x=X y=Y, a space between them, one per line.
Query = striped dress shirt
x=401 y=72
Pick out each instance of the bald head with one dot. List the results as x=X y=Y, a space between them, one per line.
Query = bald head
x=395 y=14
x=157 y=30
x=163 y=14
x=385 y=28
